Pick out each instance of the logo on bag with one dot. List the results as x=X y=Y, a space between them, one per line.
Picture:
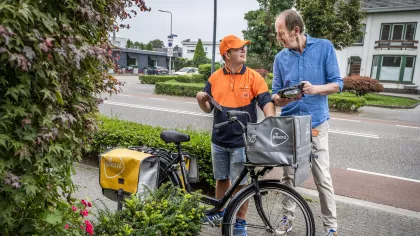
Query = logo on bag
x=308 y=132
x=117 y=167
x=278 y=137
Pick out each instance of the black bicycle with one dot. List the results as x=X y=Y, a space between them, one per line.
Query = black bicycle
x=272 y=208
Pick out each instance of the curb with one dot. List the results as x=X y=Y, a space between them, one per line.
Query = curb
x=395 y=107
x=361 y=203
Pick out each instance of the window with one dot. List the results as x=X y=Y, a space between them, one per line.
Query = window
x=361 y=39
x=409 y=69
x=390 y=69
x=409 y=32
x=393 y=68
x=398 y=31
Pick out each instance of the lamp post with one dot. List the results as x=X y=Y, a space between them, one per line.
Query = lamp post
x=170 y=35
x=214 y=37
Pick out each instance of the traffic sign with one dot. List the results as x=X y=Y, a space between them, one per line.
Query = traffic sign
x=170 y=52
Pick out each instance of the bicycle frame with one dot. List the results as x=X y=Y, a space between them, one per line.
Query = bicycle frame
x=248 y=168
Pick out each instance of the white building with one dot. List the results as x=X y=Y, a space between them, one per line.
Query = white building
x=389 y=49
x=119 y=42
x=188 y=49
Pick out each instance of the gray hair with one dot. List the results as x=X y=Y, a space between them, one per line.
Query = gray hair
x=292 y=19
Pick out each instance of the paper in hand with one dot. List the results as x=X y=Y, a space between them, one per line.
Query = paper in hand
x=217 y=105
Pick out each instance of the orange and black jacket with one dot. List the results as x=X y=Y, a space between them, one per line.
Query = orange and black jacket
x=235 y=91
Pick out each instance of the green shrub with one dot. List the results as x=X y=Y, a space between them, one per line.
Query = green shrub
x=52 y=55
x=113 y=133
x=269 y=83
x=166 y=211
x=345 y=102
x=153 y=79
x=270 y=76
x=205 y=69
x=178 y=89
x=361 y=85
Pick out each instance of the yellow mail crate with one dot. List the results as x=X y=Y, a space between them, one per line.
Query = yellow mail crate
x=129 y=170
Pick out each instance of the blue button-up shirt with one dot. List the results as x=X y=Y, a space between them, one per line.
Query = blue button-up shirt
x=318 y=65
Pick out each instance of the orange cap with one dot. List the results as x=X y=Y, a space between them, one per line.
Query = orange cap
x=231 y=41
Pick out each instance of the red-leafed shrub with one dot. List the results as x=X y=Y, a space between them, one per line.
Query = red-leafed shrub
x=263 y=72
x=361 y=85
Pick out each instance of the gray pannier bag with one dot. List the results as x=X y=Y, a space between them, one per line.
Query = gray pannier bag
x=285 y=140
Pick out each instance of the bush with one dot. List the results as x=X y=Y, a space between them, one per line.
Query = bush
x=205 y=69
x=269 y=83
x=361 y=85
x=263 y=72
x=51 y=80
x=152 y=79
x=178 y=89
x=270 y=76
x=114 y=133
x=165 y=211
x=345 y=102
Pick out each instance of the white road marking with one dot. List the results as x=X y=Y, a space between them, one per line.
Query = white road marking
x=408 y=126
x=125 y=95
x=384 y=175
x=160 y=99
x=346 y=120
x=354 y=134
x=158 y=109
x=211 y=115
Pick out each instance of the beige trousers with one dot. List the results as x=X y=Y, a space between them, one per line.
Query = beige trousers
x=322 y=178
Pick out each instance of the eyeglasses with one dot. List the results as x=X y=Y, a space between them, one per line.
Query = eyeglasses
x=241 y=49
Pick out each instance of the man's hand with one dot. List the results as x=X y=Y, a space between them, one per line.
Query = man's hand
x=281 y=102
x=202 y=97
x=308 y=88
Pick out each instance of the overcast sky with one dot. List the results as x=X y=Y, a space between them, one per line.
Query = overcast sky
x=191 y=19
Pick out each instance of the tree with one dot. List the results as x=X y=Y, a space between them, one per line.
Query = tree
x=157 y=43
x=53 y=60
x=340 y=21
x=139 y=45
x=261 y=31
x=149 y=47
x=199 y=54
x=130 y=43
x=182 y=62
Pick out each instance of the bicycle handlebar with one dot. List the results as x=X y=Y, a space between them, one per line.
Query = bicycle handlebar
x=224 y=123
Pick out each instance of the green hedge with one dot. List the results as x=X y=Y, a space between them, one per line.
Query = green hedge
x=345 y=102
x=178 y=89
x=205 y=69
x=153 y=79
x=114 y=133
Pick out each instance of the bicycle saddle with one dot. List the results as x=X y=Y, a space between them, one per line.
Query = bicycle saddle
x=172 y=136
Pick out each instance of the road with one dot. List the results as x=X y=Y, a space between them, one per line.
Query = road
x=371 y=159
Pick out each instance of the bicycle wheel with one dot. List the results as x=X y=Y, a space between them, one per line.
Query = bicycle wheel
x=277 y=203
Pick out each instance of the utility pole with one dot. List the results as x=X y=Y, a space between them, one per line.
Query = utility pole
x=214 y=37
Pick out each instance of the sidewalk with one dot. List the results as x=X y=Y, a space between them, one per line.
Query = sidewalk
x=356 y=218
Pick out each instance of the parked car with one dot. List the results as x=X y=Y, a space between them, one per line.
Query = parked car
x=157 y=70
x=187 y=71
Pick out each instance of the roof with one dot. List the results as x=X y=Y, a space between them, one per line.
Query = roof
x=195 y=43
x=372 y=6
x=146 y=52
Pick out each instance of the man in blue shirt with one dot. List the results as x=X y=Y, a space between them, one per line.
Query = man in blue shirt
x=311 y=61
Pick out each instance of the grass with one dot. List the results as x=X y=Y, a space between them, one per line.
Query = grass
x=383 y=100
